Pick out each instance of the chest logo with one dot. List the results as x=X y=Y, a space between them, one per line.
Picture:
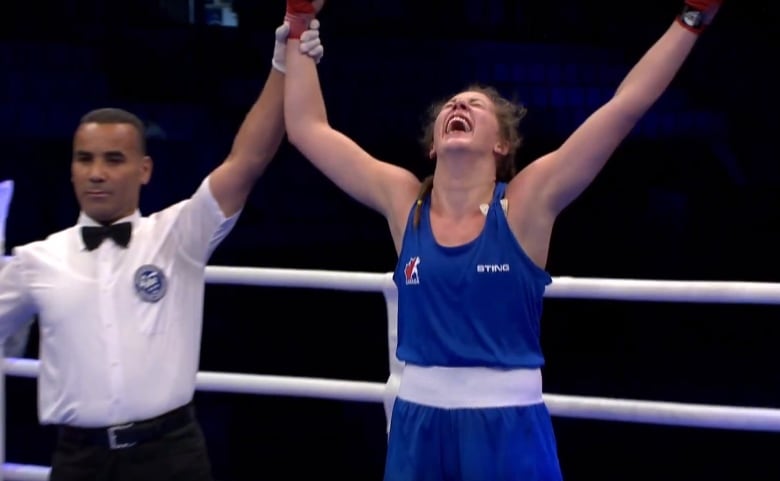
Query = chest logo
x=492 y=268
x=150 y=283
x=411 y=272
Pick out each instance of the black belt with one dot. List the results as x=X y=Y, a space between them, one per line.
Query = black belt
x=129 y=434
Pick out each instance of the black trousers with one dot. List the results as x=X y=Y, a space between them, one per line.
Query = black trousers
x=176 y=455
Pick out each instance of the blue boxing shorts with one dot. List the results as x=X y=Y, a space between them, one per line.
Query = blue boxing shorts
x=434 y=437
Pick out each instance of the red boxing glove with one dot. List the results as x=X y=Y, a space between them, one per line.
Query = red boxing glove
x=300 y=7
x=697 y=14
x=299 y=13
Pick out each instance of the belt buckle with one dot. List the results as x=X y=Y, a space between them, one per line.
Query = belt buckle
x=112 y=442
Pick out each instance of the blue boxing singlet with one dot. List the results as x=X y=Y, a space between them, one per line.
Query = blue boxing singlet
x=478 y=304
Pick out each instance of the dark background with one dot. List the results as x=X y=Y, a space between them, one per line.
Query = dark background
x=691 y=194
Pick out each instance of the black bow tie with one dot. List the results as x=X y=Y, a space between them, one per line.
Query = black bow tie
x=94 y=235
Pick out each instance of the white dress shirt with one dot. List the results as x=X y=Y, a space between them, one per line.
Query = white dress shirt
x=113 y=350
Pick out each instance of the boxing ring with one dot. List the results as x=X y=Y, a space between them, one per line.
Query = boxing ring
x=624 y=410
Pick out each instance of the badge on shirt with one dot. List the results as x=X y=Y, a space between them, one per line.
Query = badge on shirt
x=150 y=283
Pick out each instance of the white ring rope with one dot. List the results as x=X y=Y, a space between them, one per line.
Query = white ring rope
x=561 y=287
x=666 y=413
x=720 y=292
x=625 y=410
x=300 y=278
x=257 y=384
x=25 y=472
x=655 y=412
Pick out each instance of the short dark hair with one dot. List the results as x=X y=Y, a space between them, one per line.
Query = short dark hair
x=110 y=115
